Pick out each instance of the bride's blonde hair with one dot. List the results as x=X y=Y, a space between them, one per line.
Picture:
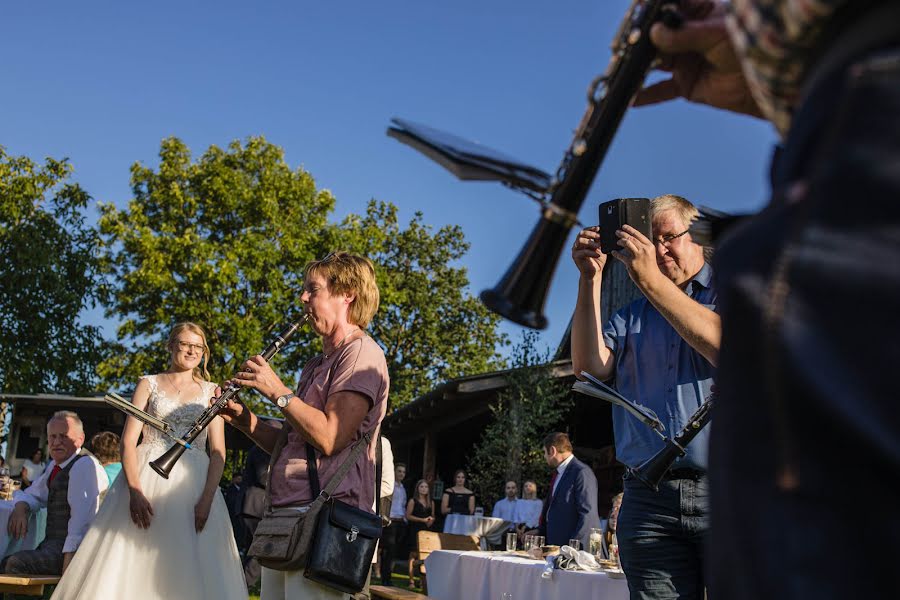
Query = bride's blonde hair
x=200 y=371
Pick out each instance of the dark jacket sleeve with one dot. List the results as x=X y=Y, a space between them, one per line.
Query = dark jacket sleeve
x=585 y=495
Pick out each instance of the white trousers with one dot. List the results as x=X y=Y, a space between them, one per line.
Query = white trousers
x=292 y=585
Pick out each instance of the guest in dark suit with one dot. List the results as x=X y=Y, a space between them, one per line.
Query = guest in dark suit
x=570 y=510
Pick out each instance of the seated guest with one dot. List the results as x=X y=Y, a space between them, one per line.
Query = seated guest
x=106 y=449
x=32 y=468
x=530 y=506
x=508 y=508
x=570 y=510
x=458 y=500
x=70 y=491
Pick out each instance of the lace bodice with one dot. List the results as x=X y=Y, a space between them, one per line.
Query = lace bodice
x=180 y=414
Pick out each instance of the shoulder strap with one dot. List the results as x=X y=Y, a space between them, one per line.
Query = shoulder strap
x=154 y=385
x=341 y=472
x=313 y=469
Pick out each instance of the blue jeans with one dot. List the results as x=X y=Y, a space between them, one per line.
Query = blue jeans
x=661 y=536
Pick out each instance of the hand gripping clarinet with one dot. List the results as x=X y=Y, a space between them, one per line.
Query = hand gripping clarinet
x=163 y=465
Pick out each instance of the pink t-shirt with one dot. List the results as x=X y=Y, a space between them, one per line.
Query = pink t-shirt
x=358 y=366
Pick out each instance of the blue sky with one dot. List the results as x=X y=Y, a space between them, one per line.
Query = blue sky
x=104 y=83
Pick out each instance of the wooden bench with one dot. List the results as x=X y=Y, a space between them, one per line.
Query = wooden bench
x=394 y=593
x=26 y=585
x=429 y=541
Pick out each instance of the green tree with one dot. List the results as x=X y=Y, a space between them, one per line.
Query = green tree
x=222 y=242
x=430 y=327
x=533 y=404
x=48 y=276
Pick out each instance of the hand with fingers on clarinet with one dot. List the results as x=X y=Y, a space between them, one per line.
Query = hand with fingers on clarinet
x=255 y=373
x=702 y=61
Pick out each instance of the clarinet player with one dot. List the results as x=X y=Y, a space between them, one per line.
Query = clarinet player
x=662 y=351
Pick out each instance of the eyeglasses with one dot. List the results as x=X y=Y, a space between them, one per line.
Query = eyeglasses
x=666 y=240
x=185 y=346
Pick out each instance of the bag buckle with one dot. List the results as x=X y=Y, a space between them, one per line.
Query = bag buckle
x=351 y=536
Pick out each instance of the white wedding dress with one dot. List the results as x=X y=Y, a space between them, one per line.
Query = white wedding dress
x=169 y=560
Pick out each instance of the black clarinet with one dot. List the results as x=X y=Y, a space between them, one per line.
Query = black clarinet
x=522 y=292
x=164 y=464
x=651 y=471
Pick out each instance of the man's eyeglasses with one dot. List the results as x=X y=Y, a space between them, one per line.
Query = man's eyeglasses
x=666 y=240
x=185 y=346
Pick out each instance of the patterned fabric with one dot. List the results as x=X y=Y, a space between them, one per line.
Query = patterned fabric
x=776 y=40
x=179 y=414
x=58 y=509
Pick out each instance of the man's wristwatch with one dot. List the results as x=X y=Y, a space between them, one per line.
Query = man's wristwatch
x=283 y=401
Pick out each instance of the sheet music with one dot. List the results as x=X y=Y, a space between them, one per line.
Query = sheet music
x=596 y=388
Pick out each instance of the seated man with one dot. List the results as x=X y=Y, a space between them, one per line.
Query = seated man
x=70 y=489
x=530 y=507
x=570 y=510
x=508 y=508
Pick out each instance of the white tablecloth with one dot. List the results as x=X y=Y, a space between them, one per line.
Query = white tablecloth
x=37 y=526
x=454 y=575
x=484 y=527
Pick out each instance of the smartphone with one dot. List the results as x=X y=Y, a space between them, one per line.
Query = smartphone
x=623 y=211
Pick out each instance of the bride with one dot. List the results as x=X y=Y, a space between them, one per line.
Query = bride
x=156 y=538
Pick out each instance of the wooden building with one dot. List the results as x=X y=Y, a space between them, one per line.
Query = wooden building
x=434 y=433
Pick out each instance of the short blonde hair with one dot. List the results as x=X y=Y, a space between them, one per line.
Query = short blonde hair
x=682 y=207
x=346 y=273
x=62 y=415
x=200 y=371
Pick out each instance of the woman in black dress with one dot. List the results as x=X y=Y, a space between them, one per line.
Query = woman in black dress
x=420 y=515
x=458 y=500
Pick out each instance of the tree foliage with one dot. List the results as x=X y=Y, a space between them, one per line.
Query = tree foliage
x=223 y=240
x=430 y=327
x=48 y=275
x=533 y=404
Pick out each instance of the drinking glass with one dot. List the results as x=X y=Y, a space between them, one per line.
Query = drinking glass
x=575 y=544
x=511 y=541
x=539 y=541
x=529 y=542
x=479 y=511
x=614 y=550
x=596 y=541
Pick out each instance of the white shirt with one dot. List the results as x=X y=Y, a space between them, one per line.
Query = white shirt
x=530 y=512
x=398 y=502
x=33 y=469
x=508 y=510
x=87 y=480
x=560 y=470
x=387 y=468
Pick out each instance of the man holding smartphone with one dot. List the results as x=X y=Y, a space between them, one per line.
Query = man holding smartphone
x=662 y=350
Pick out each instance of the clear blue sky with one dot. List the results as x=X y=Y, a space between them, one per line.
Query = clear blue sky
x=103 y=83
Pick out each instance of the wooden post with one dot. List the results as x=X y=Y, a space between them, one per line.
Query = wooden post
x=429 y=457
